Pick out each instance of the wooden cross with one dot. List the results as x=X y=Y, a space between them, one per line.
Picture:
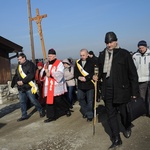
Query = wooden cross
x=38 y=20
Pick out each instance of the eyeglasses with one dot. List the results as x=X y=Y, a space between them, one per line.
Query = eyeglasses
x=19 y=59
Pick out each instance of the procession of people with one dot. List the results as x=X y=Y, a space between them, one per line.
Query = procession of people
x=120 y=77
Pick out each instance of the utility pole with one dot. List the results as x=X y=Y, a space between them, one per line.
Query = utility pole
x=31 y=31
x=38 y=20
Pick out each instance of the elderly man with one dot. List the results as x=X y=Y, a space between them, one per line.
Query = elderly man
x=54 y=88
x=119 y=83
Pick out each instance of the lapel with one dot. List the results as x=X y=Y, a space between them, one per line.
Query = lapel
x=116 y=56
x=80 y=62
x=102 y=57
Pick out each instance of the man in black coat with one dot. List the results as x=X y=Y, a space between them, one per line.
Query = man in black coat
x=83 y=72
x=24 y=78
x=95 y=61
x=119 y=84
x=93 y=57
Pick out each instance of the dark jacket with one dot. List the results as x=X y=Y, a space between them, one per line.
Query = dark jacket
x=124 y=76
x=94 y=59
x=89 y=67
x=29 y=69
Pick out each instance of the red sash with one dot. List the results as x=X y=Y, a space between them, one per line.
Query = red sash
x=37 y=75
x=51 y=84
x=38 y=78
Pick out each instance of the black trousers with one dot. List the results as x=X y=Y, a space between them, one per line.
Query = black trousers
x=112 y=112
x=58 y=108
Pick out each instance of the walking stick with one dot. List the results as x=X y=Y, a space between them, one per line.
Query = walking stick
x=95 y=97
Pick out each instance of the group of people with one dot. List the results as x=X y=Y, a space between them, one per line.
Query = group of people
x=51 y=83
x=121 y=76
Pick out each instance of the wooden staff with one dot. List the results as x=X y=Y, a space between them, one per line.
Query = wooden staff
x=96 y=70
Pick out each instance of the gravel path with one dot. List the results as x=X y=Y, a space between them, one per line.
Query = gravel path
x=66 y=133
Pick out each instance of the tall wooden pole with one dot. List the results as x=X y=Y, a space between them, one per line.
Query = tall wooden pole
x=38 y=20
x=31 y=31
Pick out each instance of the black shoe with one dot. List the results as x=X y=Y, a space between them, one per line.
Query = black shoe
x=22 y=118
x=116 y=142
x=84 y=116
x=89 y=119
x=49 y=120
x=68 y=113
x=42 y=113
x=127 y=133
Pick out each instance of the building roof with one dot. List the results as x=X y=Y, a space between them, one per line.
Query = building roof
x=9 y=46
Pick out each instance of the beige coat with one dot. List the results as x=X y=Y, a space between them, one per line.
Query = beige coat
x=69 y=76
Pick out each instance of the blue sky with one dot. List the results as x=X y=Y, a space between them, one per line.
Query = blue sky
x=75 y=24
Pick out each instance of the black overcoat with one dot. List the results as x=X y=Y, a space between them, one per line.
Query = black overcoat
x=124 y=76
x=89 y=67
x=29 y=69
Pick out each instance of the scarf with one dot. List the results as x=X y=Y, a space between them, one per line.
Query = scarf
x=108 y=62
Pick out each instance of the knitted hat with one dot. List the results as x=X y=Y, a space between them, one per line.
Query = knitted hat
x=142 y=43
x=52 y=51
x=91 y=53
x=110 y=37
x=66 y=61
x=40 y=64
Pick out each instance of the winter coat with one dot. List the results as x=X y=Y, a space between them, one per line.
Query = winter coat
x=69 y=73
x=124 y=76
x=88 y=67
x=94 y=59
x=29 y=69
x=69 y=76
x=142 y=63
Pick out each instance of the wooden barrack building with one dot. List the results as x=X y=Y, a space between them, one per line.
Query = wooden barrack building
x=7 y=47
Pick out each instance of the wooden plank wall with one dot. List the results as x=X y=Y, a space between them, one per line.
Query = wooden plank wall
x=5 y=73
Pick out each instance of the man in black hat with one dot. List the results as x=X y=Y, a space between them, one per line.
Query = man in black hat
x=95 y=62
x=93 y=57
x=119 y=83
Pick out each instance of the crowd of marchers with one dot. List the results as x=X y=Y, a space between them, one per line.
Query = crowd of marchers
x=53 y=86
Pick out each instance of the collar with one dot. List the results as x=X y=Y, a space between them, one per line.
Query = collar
x=51 y=62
